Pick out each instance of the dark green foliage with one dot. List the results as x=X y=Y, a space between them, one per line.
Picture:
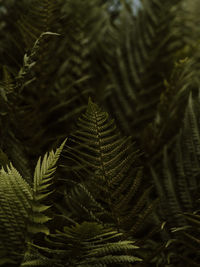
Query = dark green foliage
x=191 y=239
x=139 y=67
x=178 y=194
x=87 y=244
x=21 y=214
x=14 y=204
x=114 y=199
x=110 y=163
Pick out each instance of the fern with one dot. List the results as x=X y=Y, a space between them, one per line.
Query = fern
x=135 y=84
x=15 y=198
x=189 y=239
x=177 y=184
x=42 y=180
x=107 y=159
x=55 y=99
x=41 y=17
x=87 y=244
x=192 y=239
x=141 y=67
x=171 y=107
x=21 y=208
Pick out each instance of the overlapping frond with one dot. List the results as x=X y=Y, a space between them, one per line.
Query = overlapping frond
x=143 y=68
x=147 y=52
x=88 y=244
x=107 y=160
x=22 y=211
x=15 y=198
x=177 y=180
x=191 y=239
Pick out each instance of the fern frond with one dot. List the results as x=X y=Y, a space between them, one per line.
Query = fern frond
x=80 y=201
x=15 y=202
x=107 y=159
x=136 y=80
x=190 y=239
x=185 y=163
x=43 y=176
x=40 y=18
x=177 y=183
x=29 y=62
x=87 y=244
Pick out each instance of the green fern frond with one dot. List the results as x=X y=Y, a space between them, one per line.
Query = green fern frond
x=99 y=208
x=171 y=107
x=177 y=183
x=21 y=208
x=136 y=80
x=15 y=202
x=189 y=238
x=43 y=176
x=107 y=159
x=40 y=18
x=80 y=201
x=186 y=163
x=34 y=259
x=87 y=244
x=30 y=61
x=78 y=29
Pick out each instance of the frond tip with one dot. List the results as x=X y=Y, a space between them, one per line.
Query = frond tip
x=45 y=169
x=42 y=180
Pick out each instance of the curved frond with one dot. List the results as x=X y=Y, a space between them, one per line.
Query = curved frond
x=15 y=202
x=88 y=244
x=43 y=176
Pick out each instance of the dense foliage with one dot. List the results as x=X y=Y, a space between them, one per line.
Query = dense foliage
x=113 y=89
